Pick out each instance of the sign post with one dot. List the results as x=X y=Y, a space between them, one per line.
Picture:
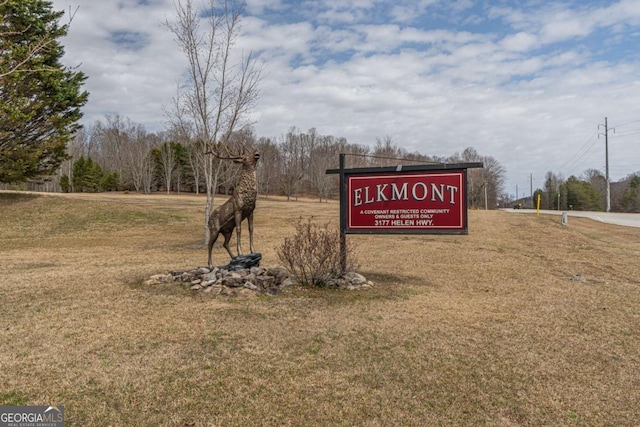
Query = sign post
x=415 y=199
x=343 y=220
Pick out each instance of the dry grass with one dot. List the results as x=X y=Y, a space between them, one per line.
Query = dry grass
x=484 y=329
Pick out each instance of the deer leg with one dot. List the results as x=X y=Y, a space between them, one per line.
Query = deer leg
x=227 y=238
x=238 y=218
x=213 y=236
x=250 y=222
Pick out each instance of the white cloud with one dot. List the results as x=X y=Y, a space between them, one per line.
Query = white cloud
x=258 y=7
x=565 y=26
x=407 y=11
x=519 y=42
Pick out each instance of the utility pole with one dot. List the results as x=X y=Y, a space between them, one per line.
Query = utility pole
x=485 y=196
x=606 y=154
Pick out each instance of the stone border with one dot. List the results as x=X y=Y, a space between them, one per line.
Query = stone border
x=268 y=281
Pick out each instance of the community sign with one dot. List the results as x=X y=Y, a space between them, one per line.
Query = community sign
x=415 y=199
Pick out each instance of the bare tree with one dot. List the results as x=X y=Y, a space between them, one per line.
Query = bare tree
x=182 y=129
x=490 y=177
x=166 y=159
x=196 y=157
x=599 y=182
x=295 y=161
x=110 y=138
x=222 y=87
x=552 y=184
x=124 y=147
x=386 y=152
x=138 y=163
x=475 y=177
x=324 y=154
x=358 y=154
x=493 y=174
x=268 y=169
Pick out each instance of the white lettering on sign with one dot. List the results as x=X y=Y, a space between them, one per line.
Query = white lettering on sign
x=384 y=193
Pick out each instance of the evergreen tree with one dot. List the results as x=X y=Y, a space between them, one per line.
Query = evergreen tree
x=88 y=176
x=630 y=201
x=78 y=176
x=582 y=195
x=109 y=181
x=40 y=99
x=183 y=172
x=65 y=185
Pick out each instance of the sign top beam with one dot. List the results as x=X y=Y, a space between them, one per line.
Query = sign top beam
x=407 y=168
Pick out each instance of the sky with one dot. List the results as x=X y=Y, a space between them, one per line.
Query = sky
x=526 y=82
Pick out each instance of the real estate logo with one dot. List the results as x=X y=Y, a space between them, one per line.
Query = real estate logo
x=31 y=416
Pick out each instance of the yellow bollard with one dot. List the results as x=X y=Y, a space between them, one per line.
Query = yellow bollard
x=538 y=206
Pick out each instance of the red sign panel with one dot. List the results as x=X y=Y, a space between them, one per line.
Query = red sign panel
x=425 y=202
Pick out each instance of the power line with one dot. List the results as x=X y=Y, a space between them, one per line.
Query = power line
x=580 y=160
x=574 y=161
x=632 y=132
x=626 y=166
x=628 y=123
x=370 y=156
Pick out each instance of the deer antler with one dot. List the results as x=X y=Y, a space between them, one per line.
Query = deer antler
x=228 y=154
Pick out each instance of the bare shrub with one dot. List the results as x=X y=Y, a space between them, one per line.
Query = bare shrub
x=312 y=254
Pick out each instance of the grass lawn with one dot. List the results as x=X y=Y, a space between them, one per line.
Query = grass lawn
x=523 y=322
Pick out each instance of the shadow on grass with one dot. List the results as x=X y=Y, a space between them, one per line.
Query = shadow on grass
x=178 y=289
x=394 y=279
x=12 y=199
x=386 y=287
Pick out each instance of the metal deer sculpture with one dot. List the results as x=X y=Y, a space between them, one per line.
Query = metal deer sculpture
x=240 y=205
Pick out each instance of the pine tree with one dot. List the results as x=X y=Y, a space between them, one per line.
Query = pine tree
x=630 y=201
x=78 y=177
x=88 y=177
x=40 y=99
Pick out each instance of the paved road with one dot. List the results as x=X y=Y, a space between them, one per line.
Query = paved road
x=627 y=219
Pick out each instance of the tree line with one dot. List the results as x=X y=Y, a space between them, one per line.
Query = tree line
x=118 y=154
x=589 y=192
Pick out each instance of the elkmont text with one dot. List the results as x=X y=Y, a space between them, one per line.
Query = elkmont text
x=444 y=193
